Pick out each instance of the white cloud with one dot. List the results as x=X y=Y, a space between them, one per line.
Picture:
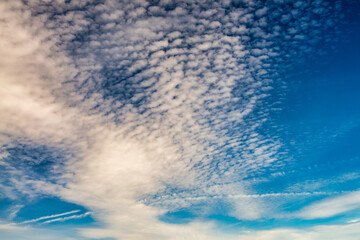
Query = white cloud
x=14 y=211
x=62 y=219
x=83 y=96
x=330 y=207
x=10 y=226
x=10 y=231
x=50 y=216
x=354 y=220
x=331 y=232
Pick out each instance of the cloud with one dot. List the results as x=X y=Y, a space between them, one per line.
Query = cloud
x=354 y=220
x=50 y=216
x=333 y=232
x=10 y=226
x=62 y=219
x=330 y=207
x=11 y=231
x=14 y=211
x=165 y=100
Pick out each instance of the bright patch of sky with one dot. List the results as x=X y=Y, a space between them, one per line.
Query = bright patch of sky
x=232 y=119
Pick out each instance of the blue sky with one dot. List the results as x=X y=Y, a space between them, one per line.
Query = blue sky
x=233 y=119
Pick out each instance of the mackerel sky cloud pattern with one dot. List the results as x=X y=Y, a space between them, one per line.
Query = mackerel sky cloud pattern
x=178 y=119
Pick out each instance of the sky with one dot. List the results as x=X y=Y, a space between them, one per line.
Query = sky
x=162 y=119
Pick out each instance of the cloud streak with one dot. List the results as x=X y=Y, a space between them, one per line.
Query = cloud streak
x=62 y=219
x=333 y=232
x=50 y=216
x=332 y=206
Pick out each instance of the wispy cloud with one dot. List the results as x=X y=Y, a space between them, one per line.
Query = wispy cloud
x=331 y=232
x=11 y=231
x=62 y=219
x=332 y=206
x=14 y=211
x=50 y=216
x=354 y=220
x=11 y=227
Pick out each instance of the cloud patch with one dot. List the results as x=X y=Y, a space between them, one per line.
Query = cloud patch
x=330 y=207
x=157 y=99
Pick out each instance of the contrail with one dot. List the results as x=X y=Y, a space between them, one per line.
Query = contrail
x=50 y=216
x=68 y=218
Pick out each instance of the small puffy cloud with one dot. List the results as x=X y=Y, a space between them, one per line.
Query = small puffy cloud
x=261 y=12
